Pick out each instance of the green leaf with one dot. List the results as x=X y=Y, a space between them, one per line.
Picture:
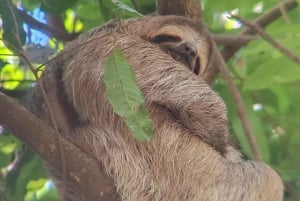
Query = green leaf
x=14 y=35
x=277 y=70
x=88 y=11
x=258 y=132
x=57 y=7
x=241 y=136
x=125 y=96
x=36 y=184
x=8 y=146
x=106 y=7
x=41 y=190
x=30 y=4
x=2 y=64
x=121 y=10
x=11 y=72
x=118 y=9
x=282 y=99
x=30 y=168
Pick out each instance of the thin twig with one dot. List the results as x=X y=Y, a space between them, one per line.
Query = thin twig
x=284 y=14
x=226 y=39
x=14 y=19
x=59 y=144
x=22 y=53
x=285 y=51
x=241 y=109
x=48 y=30
x=70 y=50
x=262 y=21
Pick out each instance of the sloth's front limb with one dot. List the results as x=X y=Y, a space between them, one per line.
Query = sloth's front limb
x=169 y=83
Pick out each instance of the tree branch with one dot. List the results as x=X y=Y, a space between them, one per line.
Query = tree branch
x=51 y=31
x=242 y=113
x=16 y=93
x=262 y=21
x=285 y=51
x=188 y=8
x=223 y=39
x=32 y=131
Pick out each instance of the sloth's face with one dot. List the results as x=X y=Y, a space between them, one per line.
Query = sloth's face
x=184 y=45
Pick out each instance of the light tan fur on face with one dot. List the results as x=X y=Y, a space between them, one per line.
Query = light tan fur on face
x=187 y=33
x=190 y=157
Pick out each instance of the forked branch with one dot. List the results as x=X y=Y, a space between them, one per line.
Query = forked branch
x=285 y=51
x=262 y=21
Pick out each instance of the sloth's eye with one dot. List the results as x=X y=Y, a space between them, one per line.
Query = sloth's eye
x=165 y=39
x=197 y=66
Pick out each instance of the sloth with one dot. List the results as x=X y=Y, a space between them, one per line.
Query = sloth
x=190 y=156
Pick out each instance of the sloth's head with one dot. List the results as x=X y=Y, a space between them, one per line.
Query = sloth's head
x=185 y=40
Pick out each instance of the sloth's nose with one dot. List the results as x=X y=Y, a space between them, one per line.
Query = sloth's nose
x=189 y=48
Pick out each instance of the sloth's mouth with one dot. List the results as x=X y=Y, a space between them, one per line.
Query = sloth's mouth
x=191 y=63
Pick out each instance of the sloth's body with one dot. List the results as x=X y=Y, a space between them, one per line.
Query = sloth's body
x=190 y=157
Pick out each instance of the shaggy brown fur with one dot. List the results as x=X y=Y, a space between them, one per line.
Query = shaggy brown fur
x=190 y=157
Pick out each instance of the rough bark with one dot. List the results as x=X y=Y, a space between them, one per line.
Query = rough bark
x=188 y=8
x=39 y=137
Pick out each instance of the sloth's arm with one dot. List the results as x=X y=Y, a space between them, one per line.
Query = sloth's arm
x=195 y=105
x=169 y=83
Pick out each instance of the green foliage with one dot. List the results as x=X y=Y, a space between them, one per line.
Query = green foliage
x=13 y=32
x=17 y=180
x=29 y=5
x=117 y=9
x=24 y=175
x=8 y=145
x=268 y=81
x=121 y=10
x=125 y=96
x=11 y=72
x=57 y=7
x=275 y=71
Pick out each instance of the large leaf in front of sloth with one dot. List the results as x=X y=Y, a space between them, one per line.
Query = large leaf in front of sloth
x=125 y=96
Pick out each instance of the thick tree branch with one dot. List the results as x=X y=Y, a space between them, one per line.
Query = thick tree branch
x=16 y=93
x=285 y=51
x=188 y=8
x=56 y=32
x=262 y=21
x=38 y=136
